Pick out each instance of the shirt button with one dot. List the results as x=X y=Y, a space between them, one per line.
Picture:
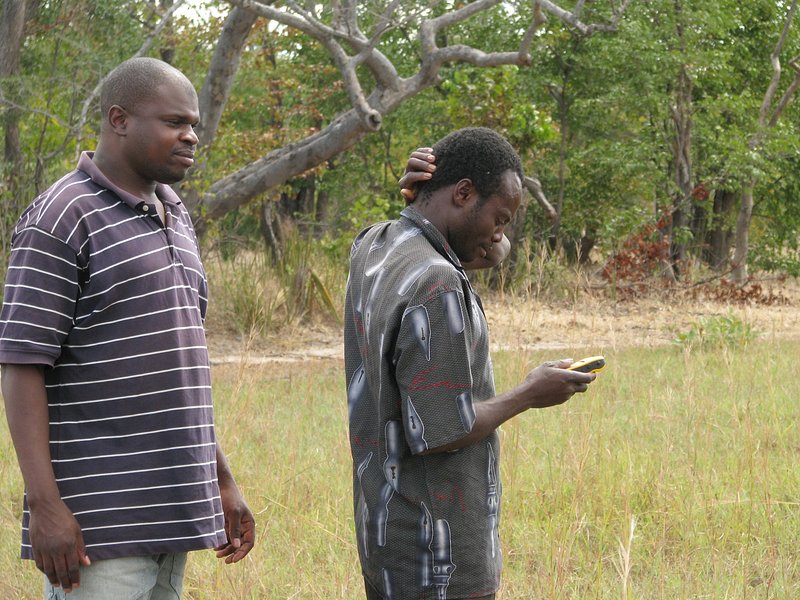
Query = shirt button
x=145 y=208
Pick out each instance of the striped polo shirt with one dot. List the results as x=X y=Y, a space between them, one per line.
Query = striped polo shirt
x=112 y=303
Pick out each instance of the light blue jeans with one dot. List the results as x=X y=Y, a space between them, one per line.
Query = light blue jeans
x=154 y=577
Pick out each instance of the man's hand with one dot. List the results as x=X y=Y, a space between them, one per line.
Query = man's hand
x=57 y=542
x=419 y=167
x=551 y=383
x=240 y=526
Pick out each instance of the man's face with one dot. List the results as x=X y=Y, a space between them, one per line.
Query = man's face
x=482 y=225
x=160 y=134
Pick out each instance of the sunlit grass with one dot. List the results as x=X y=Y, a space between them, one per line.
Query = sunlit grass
x=675 y=476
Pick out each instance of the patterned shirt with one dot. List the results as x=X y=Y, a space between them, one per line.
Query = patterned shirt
x=112 y=304
x=416 y=360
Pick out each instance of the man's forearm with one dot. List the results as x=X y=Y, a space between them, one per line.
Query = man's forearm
x=28 y=421
x=489 y=415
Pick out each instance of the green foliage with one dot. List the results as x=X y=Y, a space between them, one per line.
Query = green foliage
x=591 y=116
x=718 y=331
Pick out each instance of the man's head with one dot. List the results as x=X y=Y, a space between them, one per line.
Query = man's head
x=476 y=153
x=149 y=113
x=474 y=192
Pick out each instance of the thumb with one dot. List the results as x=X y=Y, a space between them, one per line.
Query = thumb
x=235 y=533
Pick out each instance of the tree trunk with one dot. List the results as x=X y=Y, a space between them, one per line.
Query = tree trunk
x=12 y=34
x=739 y=272
x=682 y=159
x=563 y=146
x=270 y=231
x=718 y=238
x=768 y=116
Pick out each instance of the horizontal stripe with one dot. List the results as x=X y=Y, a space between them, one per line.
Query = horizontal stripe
x=146 y=506
x=129 y=454
x=145 y=540
x=152 y=524
x=141 y=489
x=135 y=375
x=136 y=434
x=163 y=539
x=141 y=316
x=134 y=415
x=158 y=392
x=134 y=298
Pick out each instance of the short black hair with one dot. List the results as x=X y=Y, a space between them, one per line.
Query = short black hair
x=134 y=81
x=476 y=153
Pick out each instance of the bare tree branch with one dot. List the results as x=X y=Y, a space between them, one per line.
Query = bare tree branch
x=222 y=70
x=34 y=111
x=349 y=46
x=788 y=94
x=534 y=186
x=775 y=59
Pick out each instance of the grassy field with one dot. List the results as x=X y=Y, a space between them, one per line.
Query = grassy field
x=675 y=476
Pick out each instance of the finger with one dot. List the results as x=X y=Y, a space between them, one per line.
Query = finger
x=46 y=566
x=413 y=177
x=73 y=568
x=223 y=551
x=240 y=553
x=235 y=532
x=62 y=573
x=557 y=364
x=424 y=150
x=421 y=162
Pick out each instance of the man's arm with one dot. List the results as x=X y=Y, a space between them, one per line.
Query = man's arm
x=55 y=534
x=549 y=384
x=240 y=526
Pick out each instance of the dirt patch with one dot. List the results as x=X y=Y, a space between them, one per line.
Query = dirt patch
x=591 y=323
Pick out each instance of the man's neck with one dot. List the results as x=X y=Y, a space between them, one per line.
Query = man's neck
x=121 y=176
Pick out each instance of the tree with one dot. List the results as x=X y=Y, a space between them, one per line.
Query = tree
x=770 y=112
x=351 y=33
x=12 y=34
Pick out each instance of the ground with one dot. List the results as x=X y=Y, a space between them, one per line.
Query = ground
x=591 y=323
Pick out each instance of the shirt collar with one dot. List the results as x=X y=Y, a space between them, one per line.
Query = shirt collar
x=165 y=193
x=432 y=234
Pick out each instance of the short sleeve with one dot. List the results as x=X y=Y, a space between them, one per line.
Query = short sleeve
x=434 y=371
x=41 y=288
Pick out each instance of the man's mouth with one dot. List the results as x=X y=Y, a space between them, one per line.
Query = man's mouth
x=186 y=157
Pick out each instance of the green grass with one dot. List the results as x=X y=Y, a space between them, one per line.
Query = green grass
x=675 y=476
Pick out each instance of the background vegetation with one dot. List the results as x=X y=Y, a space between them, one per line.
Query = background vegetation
x=648 y=138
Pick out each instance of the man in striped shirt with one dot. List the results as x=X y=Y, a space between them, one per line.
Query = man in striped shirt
x=105 y=371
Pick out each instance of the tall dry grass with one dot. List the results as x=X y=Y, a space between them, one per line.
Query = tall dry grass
x=675 y=476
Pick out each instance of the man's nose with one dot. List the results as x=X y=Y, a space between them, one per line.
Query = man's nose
x=189 y=136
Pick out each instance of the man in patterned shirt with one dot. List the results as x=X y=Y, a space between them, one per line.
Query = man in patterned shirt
x=423 y=411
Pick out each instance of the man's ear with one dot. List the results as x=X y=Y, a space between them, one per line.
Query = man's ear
x=117 y=119
x=464 y=192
